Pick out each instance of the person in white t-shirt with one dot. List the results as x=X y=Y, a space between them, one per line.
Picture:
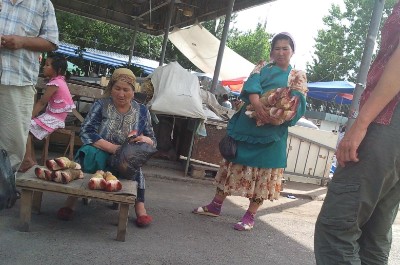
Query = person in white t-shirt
x=226 y=103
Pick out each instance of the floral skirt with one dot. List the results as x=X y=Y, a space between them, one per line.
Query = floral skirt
x=254 y=183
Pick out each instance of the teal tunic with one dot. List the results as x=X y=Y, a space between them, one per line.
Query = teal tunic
x=262 y=146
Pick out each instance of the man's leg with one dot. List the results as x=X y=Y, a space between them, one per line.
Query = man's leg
x=376 y=237
x=16 y=105
x=355 y=193
x=336 y=229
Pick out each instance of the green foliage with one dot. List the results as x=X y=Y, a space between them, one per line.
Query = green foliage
x=89 y=33
x=340 y=44
x=86 y=32
x=216 y=27
x=252 y=45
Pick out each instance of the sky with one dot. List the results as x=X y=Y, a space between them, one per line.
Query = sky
x=301 y=18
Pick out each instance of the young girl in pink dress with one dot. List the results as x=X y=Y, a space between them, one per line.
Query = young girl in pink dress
x=59 y=102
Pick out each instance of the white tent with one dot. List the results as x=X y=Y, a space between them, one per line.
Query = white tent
x=201 y=48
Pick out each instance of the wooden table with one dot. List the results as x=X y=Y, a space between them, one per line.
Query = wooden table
x=32 y=190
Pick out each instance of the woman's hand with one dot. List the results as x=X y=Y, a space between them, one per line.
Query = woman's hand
x=260 y=109
x=144 y=139
x=106 y=146
x=261 y=112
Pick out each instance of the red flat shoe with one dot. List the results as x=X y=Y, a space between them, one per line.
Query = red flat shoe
x=144 y=220
x=65 y=213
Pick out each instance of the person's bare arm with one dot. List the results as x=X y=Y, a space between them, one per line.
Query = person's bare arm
x=15 y=42
x=386 y=89
x=106 y=146
x=42 y=102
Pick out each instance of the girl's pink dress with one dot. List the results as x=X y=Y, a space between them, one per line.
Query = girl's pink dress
x=56 y=112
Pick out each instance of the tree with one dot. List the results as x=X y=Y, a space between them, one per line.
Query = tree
x=216 y=26
x=89 y=33
x=86 y=32
x=252 y=45
x=340 y=44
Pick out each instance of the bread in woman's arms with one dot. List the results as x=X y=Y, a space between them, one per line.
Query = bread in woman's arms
x=297 y=80
x=281 y=106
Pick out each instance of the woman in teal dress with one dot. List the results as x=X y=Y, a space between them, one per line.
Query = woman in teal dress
x=256 y=171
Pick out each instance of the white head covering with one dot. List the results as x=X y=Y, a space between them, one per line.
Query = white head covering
x=285 y=34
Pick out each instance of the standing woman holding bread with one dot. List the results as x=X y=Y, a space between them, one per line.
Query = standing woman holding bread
x=257 y=169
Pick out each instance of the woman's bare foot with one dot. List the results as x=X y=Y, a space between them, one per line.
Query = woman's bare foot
x=26 y=165
x=139 y=209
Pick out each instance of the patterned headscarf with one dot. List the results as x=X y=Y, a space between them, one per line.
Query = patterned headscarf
x=121 y=74
x=125 y=75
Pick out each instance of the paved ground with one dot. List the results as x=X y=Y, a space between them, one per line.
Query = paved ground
x=283 y=234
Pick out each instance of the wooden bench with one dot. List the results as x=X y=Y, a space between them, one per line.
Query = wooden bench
x=32 y=190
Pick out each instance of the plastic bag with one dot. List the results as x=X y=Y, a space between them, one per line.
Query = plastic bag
x=227 y=147
x=8 y=190
x=131 y=156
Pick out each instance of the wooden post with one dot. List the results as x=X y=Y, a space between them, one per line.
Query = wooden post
x=122 y=221
x=37 y=201
x=222 y=45
x=166 y=31
x=26 y=210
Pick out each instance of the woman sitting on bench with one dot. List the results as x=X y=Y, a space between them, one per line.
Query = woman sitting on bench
x=105 y=128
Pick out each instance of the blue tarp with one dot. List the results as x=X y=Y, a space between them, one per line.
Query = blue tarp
x=328 y=91
x=108 y=58
x=331 y=91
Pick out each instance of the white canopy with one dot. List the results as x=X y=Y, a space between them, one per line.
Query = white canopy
x=201 y=48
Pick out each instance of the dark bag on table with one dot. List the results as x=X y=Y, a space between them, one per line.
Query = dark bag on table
x=227 y=147
x=131 y=156
x=8 y=190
